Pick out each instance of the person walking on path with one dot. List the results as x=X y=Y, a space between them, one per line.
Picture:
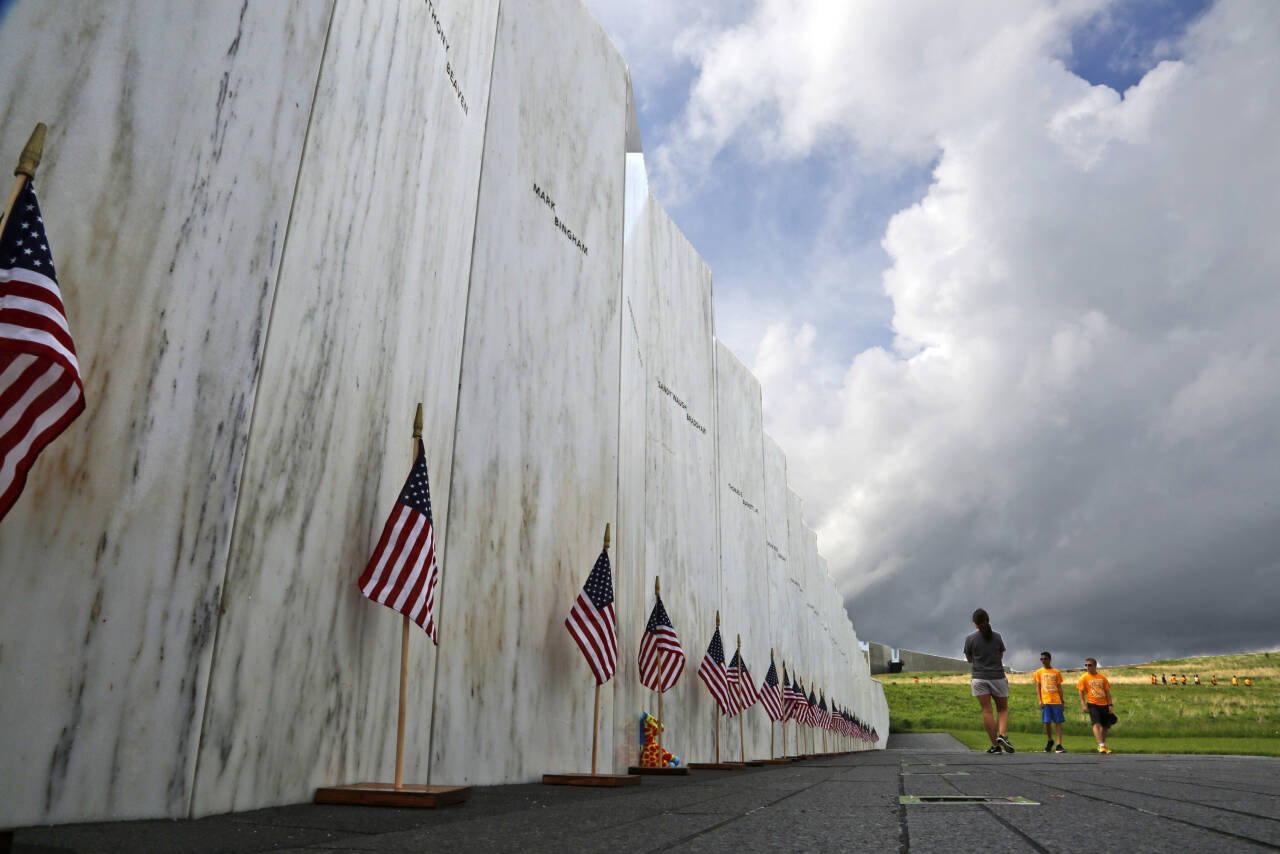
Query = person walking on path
x=1095 y=699
x=1049 y=695
x=984 y=649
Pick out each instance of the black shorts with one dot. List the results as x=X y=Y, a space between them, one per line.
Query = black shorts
x=1101 y=715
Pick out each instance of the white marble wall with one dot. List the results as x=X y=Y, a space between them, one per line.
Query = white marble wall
x=797 y=655
x=633 y=388
x=278 y=228
x=777 y=546
x=368 y=322
x=667 y=290
x=743 y=567
x=174 y=138
x=535 y=450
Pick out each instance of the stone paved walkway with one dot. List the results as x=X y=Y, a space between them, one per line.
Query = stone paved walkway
x=1083 y=803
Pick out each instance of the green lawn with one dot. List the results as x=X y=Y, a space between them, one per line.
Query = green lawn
x=1153 y=718
x=1116 y=740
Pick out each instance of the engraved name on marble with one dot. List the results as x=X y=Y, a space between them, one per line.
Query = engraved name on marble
x=551 y=205
x=680 y=403
x=448 y=66
x=775 y=550
x=745 y=502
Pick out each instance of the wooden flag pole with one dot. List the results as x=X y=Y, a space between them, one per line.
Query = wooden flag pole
x=595 y=715
x=742 y=713
x=717 y=710
x=594 y=779
x=784 y=708
x=404 y=638
x=772 y=753
x=397 y=793
x=26 y=170
x=657 y=592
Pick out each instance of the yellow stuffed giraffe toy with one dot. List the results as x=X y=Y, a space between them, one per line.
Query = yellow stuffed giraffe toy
x=651 y=755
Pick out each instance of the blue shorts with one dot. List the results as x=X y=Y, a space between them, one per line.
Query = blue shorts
x=1051 y=713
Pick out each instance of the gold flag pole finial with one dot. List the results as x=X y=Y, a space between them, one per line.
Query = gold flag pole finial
x=606 y=536
x=657 y=586
x=30 y=157
x=771 y=655
x=27 y=163
x=417 y=423
x=739 y=641
x=717 y=619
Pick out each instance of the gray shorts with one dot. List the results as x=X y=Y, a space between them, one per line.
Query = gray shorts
x=994 y=687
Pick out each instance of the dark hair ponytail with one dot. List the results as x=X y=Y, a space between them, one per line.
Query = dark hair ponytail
x=983 y=622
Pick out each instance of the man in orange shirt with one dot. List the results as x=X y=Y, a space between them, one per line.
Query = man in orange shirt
x=1095 y=698
x=1049 y=695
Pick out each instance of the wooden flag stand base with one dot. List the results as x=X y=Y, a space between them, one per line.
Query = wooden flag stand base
x=784 y=761
x=716 y=766
x=387 y=795
x=591 y=779
x=678 y=771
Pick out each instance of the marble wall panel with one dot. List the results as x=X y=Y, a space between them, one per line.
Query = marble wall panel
x=668 y=292
x=175 y=133
x=633 y=388
x=793 y=653
x=743 y=567
x=535 y=464
x=368 y=322
x=777 y=547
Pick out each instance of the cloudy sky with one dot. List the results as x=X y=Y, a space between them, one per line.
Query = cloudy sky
x=1009 y=274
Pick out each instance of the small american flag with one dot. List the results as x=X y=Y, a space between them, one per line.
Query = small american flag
x=40 y=388
x=771 y=694
x=811 y=709
x=740 y=681
x=824 y=717
x=792 y=698
x=711 y=671
x=592 y=622
x=661 y=657
x=402 y=572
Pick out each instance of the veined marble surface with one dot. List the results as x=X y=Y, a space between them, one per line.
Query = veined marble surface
x=368 y=322
x=668 y=287
x=175 y=132
x=535 y=463
x=796 y=656
x=743 y=568
x=633 y=389
x=777 y=535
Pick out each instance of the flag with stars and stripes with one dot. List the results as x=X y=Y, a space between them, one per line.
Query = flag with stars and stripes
x=824 y=716
x=592 y=623
x=661 y=656
x=712 y=672
x=791 y=697
x=811 y=709
x=740 y=681
x=40 y=387
x=771 y=694
x=402 y=572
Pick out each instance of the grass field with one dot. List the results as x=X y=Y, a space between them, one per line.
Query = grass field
x=1153 y=718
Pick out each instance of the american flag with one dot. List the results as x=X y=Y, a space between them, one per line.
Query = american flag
x=811 y=709
x=402 y=572
x=771 y=695
x=661 y=657
x=792 y=698
x=592 y=622
x=740 y=681
x=824 y=716
x=40 y=388
x=711 y=671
